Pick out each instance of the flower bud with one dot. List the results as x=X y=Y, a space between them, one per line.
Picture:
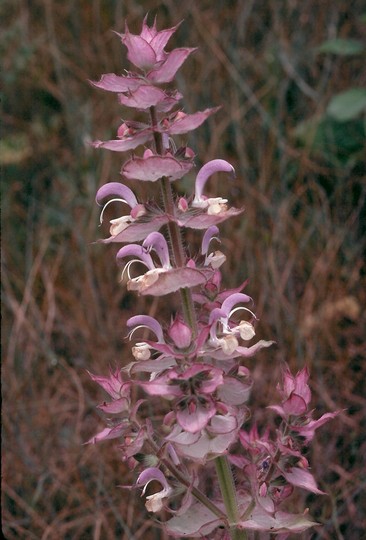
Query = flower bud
x=180 y=334
x=182 y=204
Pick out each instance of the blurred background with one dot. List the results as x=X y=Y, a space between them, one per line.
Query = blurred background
x=290 y=76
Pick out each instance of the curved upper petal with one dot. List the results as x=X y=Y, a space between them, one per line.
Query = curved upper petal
x=116 y=189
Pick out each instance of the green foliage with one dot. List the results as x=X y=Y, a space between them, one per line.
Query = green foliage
x=341 y=47
x=347 y=105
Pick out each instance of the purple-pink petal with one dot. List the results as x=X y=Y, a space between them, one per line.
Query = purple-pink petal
x=148 y=32
x=155 y=241
x=134 y=250
x=207 y=237
x=234 y=299
x=213 y=166
x=152 y=473
x=149 y=322
x=116 y=189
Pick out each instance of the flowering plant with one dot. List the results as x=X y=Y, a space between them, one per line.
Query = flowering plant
x=195 y=362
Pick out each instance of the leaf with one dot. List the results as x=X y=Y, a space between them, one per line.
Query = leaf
x=347 y=105
x=342 y=47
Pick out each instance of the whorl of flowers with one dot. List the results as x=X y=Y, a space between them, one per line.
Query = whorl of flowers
x=194 y=363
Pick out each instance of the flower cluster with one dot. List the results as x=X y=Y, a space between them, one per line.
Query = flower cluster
x=194 y=364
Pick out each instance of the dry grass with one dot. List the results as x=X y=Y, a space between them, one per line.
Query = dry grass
x=301 y=241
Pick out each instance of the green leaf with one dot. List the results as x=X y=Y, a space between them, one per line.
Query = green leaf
x=343 y=47
x=347 y=105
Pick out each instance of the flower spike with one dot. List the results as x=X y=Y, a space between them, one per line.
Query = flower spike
x=192 y=366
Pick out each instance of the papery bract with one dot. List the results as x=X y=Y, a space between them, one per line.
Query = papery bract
x=153 y=167
x=166 y=72
x=118 y=83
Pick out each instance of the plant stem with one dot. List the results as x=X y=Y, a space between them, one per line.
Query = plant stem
x=185 y=481
x=228 y=492
x=176 y=242
x=223 y=469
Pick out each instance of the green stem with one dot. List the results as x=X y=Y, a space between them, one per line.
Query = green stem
x=228 y=492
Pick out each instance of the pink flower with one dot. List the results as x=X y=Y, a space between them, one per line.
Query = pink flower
x=158 y=280
x=154 y=502
x=225 y=334
x=142 y=220
x=205 y=211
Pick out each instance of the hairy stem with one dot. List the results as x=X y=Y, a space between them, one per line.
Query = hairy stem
x=228 y=493
x=223 y=469
x=175 y=236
